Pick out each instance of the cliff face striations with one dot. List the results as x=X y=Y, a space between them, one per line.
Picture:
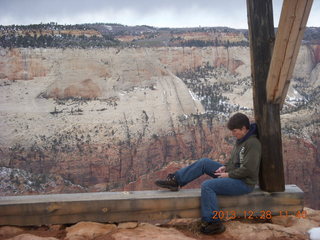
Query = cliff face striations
x=118 y=118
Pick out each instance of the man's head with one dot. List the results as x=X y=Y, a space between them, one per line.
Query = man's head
x=239 y=125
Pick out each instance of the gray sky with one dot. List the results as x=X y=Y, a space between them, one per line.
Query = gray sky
x=160 y=13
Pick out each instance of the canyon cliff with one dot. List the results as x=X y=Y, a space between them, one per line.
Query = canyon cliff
x=118 y=118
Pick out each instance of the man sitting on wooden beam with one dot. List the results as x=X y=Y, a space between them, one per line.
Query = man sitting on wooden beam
x=237 y=177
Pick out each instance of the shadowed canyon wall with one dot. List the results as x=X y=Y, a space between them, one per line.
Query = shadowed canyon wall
x=119 y=118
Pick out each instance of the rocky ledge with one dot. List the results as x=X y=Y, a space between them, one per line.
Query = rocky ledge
x=279 y=227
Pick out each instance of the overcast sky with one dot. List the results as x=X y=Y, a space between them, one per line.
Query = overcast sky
x=160 y=13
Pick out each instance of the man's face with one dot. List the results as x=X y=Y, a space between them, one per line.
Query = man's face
x=239 y=133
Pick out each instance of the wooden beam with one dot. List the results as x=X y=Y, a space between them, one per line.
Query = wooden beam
x=138 y=206
x=293 y=20
x=267 y=115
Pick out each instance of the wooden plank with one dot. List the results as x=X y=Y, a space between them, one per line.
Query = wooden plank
x=293 y=20
x=136 y=206
x=267 y=115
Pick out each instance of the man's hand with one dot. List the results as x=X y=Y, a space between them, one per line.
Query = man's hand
x=222 y=175
x=221 y=172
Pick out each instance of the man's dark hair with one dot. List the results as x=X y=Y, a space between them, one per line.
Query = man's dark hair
x=237 y=121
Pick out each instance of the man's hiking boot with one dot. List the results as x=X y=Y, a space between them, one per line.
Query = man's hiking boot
x=212 y=228
x=170 y=183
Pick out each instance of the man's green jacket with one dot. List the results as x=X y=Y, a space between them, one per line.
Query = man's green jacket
x=245 y=158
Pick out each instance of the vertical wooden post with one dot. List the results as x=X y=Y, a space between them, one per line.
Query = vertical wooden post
x=267 y=115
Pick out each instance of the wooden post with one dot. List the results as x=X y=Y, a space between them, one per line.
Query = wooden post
x=267 y=115
x=293 y=20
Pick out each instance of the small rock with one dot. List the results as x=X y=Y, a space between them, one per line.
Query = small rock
x=286 y=221
x=303 y=225
x=147 y=231
x=55 y=227
x=183 y=221
x=88 y=230
x=127 y=225
x=312 y=214
x=28 y=236
x=8 y=231
x=190 y=224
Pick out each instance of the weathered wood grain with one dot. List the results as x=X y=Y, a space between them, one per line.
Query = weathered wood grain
x=267 y=115
x=293 y=20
